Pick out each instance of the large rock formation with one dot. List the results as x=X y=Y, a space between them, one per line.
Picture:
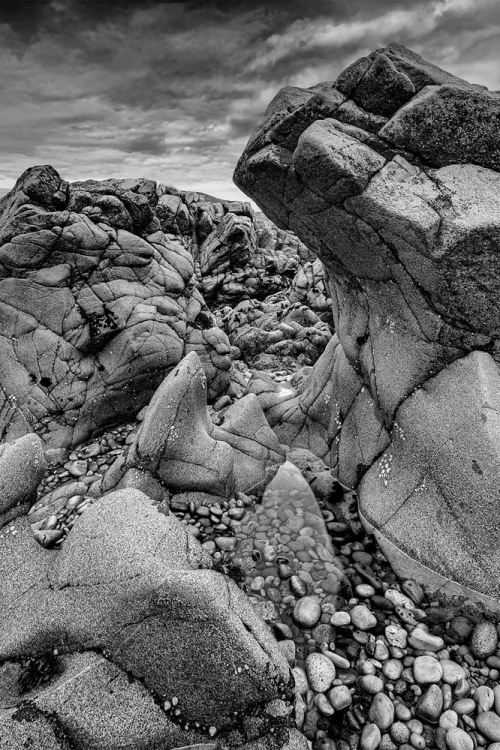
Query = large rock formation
x=127 y=637
x=391 y=174
x=97 y=303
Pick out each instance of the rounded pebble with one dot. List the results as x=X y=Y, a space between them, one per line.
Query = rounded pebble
x=427 y=670
x=484 y=639
x=362 y=618
x=458 y=739
x=307 y=611
x=320 y=672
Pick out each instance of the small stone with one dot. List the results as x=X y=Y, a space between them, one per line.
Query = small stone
x=396 y=636
x=364 y=590
x=427 y=670
x=362 y=618
x=340 y=697
x=484 y=697
x=399 y=733
x=484 y=639
x=452 y=672
x=298 y=586
x=414 y=591
x=464 y=706
x=461 y=628
x=307 y=611
x=417 y=741
x=392 y=669
x=488 y=723
x=448 y=719
x=47 y=539
x=402 y=712
x=397 y=598
x=268 y=553
x=227 y=543
x=381 y=711
x=323 y=705
x=74 y=502
x=340 y=619
x=462 y=689
x=285 y=572
x=422 y=641
x=370 y=737
x=301 y=681
x=381 y=652
x=370 y=684
x=288 y=649
x=320 y=672
x=77 y=468
x=430 y=705
x=457 y=739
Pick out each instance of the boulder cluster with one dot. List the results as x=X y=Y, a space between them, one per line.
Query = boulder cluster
x=248 y=486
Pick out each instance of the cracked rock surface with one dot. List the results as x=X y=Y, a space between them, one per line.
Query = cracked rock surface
x=98 y=302
x=151 y=646
x=391 y=174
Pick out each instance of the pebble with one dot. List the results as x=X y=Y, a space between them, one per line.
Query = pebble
x=381 y=711
x=414 y=591
x=464 y=706
x=448 y=719
x=320 y=672
x=430 y=705
x=298 y=586
x=488 y=723
x=340 y=697
x=426 y=670
x=323 y=705
x=452 y=672
x=307 y=611
x=484 y=639
x=364 y=590
x=340 y=619
x=458 y=739
x=396 y=636
x=370 y=684
x=392 y=669
x=423 y=641
x=362 y=618
x=301 y=681
x=227 y=543
x=399 y=599
x=496 y=693
x=370 y=737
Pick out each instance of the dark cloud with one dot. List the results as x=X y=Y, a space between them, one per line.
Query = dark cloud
x=172 y=90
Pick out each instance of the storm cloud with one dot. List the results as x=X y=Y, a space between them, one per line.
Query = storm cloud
x=172 y=90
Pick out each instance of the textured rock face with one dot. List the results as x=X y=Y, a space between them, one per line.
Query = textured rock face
x=22 y=465
x=392 y=175
x=238 y=254
x=97 y=303
x=128 y=602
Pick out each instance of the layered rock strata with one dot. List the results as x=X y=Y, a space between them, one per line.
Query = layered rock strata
x=391 y=174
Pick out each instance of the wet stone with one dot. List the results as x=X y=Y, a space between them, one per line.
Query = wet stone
x=362 y=618
x=307 y=611
x=426 y=670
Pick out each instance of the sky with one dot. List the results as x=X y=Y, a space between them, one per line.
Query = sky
x=172 y=90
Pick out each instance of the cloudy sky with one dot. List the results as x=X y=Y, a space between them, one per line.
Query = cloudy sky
x=172 y=90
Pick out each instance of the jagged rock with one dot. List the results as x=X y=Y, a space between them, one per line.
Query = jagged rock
x=97 y=304
x=277 y=329
x=238 y=254
x=128 y=584
x=245 y=428
x=391 y=175
x=310 y=287
x=175 y=440
x=179 y=448
x=22 y=466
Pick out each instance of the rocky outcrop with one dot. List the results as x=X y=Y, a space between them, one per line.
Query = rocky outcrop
x=97 y=304
x=128 y=635
x=238 y=254
x=391 y=174
x=275 y=331
x=179 y=449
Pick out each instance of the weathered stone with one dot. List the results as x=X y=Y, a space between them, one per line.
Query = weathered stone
x=412 y=257
x=22 y=466
x=97 y=305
